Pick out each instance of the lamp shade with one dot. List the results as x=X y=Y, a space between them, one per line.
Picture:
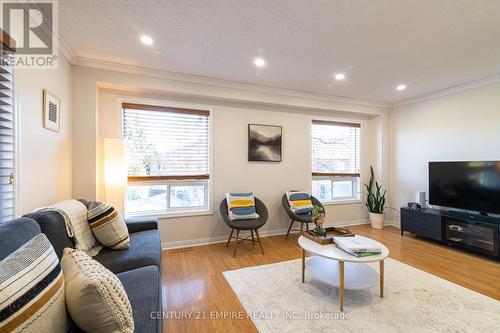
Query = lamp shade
x=115 y=174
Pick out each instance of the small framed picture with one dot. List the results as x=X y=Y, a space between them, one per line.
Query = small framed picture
x=51 y=111
x=264 y=143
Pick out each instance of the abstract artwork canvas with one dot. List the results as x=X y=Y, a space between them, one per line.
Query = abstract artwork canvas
x=264 y=143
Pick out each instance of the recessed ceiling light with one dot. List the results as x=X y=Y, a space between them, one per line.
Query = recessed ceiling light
x=340 y=76
x=401 y=87
x=147 y=40
x=259 y=62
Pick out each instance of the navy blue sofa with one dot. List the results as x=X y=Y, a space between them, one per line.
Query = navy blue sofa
x=138 y=267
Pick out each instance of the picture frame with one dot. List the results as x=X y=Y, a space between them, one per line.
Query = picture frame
x=51 y=111
x=265 y=143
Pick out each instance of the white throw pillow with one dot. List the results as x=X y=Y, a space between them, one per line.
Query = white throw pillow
x=300 y=202
x=95 y=297
x=241 y=206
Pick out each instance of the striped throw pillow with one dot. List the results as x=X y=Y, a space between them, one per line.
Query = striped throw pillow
x=241 y=206
x=32 y=290
x=300 y=202
x=108 y=226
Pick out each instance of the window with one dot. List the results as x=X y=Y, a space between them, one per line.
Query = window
x=6 y=131
x=167 y=159
x=336 y=149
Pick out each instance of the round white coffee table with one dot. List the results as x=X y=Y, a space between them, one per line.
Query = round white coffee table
x=338 y=268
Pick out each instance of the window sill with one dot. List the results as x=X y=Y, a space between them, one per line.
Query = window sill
x=342 y=202
x=165 y=215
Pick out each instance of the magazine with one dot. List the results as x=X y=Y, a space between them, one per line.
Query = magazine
x=357 y=246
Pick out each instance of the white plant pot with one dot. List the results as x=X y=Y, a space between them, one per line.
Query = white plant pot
x=377 y=220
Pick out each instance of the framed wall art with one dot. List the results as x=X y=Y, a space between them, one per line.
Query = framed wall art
x=51 y=111
x=264 y=143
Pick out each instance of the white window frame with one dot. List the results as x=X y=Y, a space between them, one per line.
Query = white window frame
x=17 y=145
x=169 y=211
x=357 y=181
x=356 y=185
x=207 y=183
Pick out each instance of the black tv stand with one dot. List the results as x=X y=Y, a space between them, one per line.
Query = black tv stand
x=472 y=232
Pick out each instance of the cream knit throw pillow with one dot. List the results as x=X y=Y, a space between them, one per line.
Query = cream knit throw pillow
x=95 y=297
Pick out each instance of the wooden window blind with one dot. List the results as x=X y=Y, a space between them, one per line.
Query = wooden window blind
x=166 y=143
x=6 y=130
x=336 y=148
x=145 y=107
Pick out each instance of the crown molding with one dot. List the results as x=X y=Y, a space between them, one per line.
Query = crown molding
x=66 y=50
x=205 y=80
x=53 y=31
x=448 y=91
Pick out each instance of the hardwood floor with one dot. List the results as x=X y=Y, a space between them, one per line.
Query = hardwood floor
x=197 y=298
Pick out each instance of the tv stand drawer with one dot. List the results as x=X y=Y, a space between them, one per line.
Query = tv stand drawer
x=421 y=224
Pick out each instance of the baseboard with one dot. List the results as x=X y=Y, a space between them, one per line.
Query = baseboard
x=393 y=224
x=347 y=224
x=264 y=233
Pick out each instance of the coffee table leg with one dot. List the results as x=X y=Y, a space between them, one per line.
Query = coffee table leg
x=381 y=278
x=341 y=272
x=303 y=264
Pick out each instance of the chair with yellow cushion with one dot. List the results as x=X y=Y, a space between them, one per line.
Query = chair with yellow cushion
x=250 y=224
x=301 y=218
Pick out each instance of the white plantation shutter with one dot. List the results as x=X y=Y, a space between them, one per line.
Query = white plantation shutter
x=166 y=143
x=6 y=142
x=336 y=148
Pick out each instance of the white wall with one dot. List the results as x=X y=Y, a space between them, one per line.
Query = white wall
x=44 y=159
x=87 y=80
x=233 y=173
x=96 y=117
x=460 y=126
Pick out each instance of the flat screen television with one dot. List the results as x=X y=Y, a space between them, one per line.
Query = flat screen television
x=465 y=185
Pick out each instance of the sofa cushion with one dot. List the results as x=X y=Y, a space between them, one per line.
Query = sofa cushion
x=15 y=233
x=52 y=224
x=108 y=226
x=32 y=289
x=95 y=297
x=145 y=250
x=143 y=289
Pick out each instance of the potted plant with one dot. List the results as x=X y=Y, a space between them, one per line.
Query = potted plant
x=375 y=201
x=318 y=216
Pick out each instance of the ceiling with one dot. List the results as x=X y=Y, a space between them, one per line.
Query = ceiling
x=428 y=45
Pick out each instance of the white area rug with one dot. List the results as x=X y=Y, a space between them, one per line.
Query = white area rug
x=414 y=301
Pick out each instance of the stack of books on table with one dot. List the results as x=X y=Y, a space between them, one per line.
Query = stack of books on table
x=357 y=246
